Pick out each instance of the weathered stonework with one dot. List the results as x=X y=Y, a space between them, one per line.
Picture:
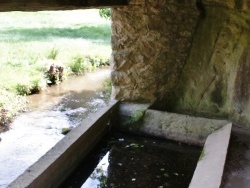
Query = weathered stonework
x=243 y=5
x=150 y=43
x=184 y=58
x=215 y=80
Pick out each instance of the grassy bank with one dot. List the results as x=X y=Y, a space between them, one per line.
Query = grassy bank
x=31 y=41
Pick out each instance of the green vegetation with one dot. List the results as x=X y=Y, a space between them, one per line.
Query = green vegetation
x=10 y=105
x=105 y=13
x=80 y=64
x=31 y=42
x=213 y=127
x=53 y=54
x=135 y=121
x=138 y=115
x=202 y=155
x=107 y=87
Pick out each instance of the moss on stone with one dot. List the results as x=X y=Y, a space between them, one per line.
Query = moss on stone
x=202 y=155
x=134 y=122
x=207 y=81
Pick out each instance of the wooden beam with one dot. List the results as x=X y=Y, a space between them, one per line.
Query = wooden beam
x=37 y=5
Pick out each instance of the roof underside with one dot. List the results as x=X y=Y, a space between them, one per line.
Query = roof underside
x=36 y=5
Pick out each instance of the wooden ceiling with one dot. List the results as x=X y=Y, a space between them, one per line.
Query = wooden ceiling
x=36 y=5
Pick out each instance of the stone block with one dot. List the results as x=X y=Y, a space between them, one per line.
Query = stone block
x=209 y=170
x=181 y=128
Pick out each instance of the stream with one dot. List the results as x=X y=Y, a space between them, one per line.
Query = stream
x=36 y=131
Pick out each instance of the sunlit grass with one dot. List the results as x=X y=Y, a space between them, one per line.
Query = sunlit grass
x=29 y=41
x=80 y=30
x=50 y=18
x=96 y=33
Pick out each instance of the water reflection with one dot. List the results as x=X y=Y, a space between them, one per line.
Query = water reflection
x=98 y=178
x=133 y=162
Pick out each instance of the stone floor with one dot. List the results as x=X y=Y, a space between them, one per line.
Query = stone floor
x=237 y=168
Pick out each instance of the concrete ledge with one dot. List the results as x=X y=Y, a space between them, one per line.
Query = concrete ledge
x=209 y=170
x=178 y=127
x=54 y=167
x=131 y=115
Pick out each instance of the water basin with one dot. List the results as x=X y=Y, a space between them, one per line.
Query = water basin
x=124 y=161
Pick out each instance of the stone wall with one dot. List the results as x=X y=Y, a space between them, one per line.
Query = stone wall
x=184 y=57
x=150 y=43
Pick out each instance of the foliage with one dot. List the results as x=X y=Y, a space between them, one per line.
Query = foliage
x=78 y=65
x=105 y=13
x=81 y=64
x=10 y=105
x=53 y=53
x=33 y=81
x=30 y=86
x=23 y=88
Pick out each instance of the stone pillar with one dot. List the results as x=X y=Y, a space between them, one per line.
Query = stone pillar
x=150 y=42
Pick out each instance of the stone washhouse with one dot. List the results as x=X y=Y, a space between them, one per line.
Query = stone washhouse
x=181 y=69
x=182 y=56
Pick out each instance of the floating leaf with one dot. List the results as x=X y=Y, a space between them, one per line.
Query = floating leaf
x=166 y=175
x=134 y=145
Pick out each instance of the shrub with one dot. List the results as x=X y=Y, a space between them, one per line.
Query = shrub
x=105 y=13
x=37 y=85
x=77 y=65
x=23 y=88
x=30 y=86
x=80 y=64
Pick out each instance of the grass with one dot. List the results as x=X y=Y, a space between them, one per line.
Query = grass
x=95 y=33
x=31 y=41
